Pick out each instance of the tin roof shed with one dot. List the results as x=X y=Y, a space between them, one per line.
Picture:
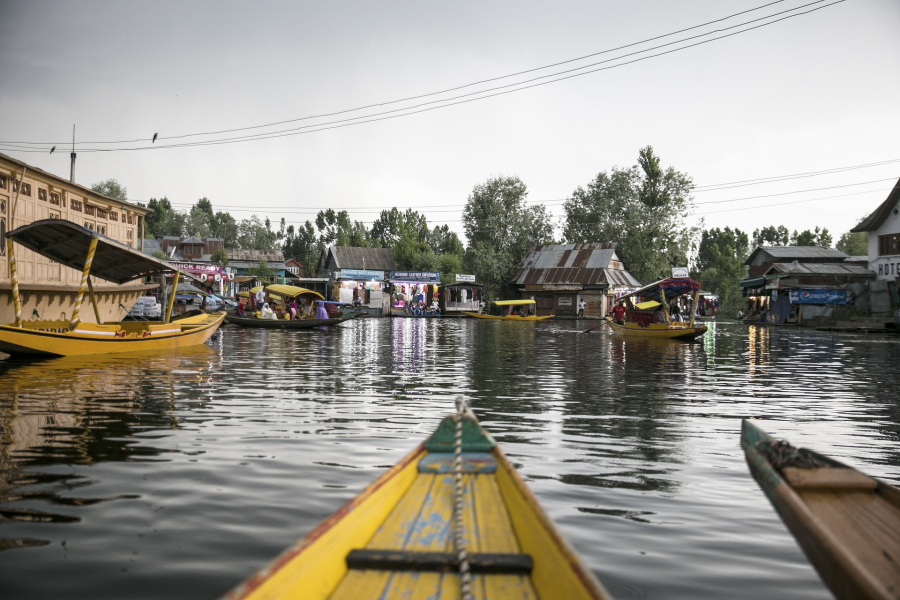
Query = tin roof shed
x=594 y=265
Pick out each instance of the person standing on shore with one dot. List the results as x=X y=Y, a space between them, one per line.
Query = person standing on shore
x=581 y=306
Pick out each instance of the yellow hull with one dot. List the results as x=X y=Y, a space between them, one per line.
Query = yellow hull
x=510 y=318
x=50 y=338
x=657 y=330
x=408 y=510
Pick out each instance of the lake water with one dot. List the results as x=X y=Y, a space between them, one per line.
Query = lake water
x=153 y=476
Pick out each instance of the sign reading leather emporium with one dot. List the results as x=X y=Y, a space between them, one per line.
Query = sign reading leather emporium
x=415 y=276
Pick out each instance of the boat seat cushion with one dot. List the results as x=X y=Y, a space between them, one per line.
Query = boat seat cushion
x=828 y=479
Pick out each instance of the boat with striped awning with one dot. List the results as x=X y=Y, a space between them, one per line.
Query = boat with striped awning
x=649 y=311
x=452 y=519
x=95 y=255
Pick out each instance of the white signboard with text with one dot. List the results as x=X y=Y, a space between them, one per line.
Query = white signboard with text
x=680 y=273
x=465 y=278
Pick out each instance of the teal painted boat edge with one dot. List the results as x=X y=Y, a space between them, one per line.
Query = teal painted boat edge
x=475 y=438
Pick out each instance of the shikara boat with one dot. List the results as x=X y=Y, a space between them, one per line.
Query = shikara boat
x=399 y=537
x=846 y=522
x=98 y=256
x=641 y=305
x=284 y=323
x=510 y=317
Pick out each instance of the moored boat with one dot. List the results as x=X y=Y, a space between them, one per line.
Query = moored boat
x=285 y=323
x=642 y=320
x=452 y=519
x=98 y=256
x=846 y=522
x=511 y=316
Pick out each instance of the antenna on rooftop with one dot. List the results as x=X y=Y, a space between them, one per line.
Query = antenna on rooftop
x=72 y=171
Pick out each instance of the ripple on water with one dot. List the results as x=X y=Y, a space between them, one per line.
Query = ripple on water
x=152 y=476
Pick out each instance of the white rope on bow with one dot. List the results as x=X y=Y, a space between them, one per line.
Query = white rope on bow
x=462 y=556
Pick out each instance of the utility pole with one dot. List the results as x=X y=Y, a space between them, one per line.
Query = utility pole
x=72 y=171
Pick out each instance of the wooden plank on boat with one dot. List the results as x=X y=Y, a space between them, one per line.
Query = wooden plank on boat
x=405 y=560
x=828 y=479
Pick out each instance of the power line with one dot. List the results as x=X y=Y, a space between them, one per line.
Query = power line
x=775 y=178
x=408 y=111
x=426 y=95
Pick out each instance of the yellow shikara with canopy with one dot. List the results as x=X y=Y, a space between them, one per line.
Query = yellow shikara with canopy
x=503 y=303
x=95 y=255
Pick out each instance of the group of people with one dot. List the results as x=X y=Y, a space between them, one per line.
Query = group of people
x=619 y=314
x=419 y=309
x=261 y=303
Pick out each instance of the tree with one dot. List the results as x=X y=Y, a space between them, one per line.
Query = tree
x=111 y=188
x=719 y=264
x=261 y=271
x=854 y=244
x=254 y=234
x=500 y=229
x=219 y=257
x=771 y=236
x=643 y=208
x=302 y=245
x=812 y=238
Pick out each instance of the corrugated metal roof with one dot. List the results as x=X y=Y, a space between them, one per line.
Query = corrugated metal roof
x=803 y=252
x=820 y=269
x=375 y=259
x=572 y=264
x=255 y=255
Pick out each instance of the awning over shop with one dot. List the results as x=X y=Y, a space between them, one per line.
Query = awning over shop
x=752 y=282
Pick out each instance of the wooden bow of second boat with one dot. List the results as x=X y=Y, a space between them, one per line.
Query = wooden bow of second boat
x=846 y=522
x=395 y=539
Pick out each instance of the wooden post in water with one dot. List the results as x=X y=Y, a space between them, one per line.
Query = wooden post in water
x=84 y=282
x=11 y=253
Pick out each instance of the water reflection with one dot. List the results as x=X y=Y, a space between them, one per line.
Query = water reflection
x=217 y=457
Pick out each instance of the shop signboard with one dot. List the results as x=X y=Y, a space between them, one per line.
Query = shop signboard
x=680 y=273
x=415 y=276
x=818 y=296
x=460 y=278
x=200 y=269
x=361 y=274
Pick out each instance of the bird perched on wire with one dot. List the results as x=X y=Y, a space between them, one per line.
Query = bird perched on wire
x=52 y=149
x=154 y=138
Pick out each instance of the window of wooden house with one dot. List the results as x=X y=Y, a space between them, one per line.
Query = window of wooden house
x=89 y=225
x=113 y=216
x=2 y=206
x=76 y=205
x=889 y=244
x=54 y=198
x=54 y=214
x=129 y=234
x=2 y=236
x=26 y=189
x=101 y=229
x=101 y=214
x=2 y=182
x=42 y=194
x=90 y=210
x=131 y=219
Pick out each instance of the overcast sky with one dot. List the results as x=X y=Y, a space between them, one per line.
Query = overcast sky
x=815 y=92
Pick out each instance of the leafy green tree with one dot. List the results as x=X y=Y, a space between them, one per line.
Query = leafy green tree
x=111 y=188
x=812 y=238
x=262 y=271
x=719 y=264
x=449 y=265
x=644 y=209
x=854 y=244
x=159 y=254
x=500 y=229
x=254 y=234
x=302 y=245
x=771 y=236
x=220 y=257
x=444 y=241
